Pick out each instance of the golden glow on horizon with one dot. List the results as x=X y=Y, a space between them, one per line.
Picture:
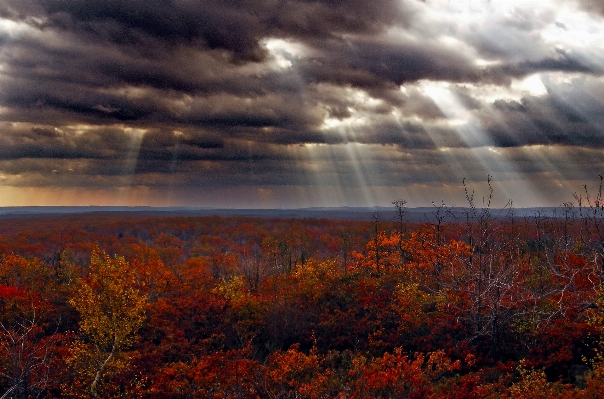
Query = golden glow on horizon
x=417 y=194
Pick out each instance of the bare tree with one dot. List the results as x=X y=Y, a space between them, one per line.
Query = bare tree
x=591 y=210
x=27 y=354
x=401 y=211
x=488 y=274
x=253 y=266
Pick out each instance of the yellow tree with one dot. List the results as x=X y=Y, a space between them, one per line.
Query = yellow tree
x=112 y=309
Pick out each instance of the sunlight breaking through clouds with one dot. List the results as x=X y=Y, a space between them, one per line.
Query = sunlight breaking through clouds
x=475 y=138
x=332 y=103
x=284 y=51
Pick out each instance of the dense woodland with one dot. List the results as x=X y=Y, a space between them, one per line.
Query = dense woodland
x=483 y=306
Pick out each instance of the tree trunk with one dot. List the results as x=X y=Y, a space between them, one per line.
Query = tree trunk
x=97 y=378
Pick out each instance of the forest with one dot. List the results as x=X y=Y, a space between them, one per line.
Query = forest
x=486 y=305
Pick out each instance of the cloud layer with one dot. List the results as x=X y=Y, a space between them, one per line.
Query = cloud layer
x=297 y=102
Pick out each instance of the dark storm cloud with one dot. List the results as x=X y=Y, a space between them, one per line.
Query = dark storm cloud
x=407 y=135
x=536 y=123
x=106 y=143
x=570 y=115
x=374 y=64
x=47 y=142
x=563 y=63
x=169 y=35
x=193 y=93
x=74 y=72
x=593 y=5
x=234 y=26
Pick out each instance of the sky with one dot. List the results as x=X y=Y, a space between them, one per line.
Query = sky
x=299 y=103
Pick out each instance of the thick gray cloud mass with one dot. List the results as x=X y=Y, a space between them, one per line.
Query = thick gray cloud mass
x=298 y=102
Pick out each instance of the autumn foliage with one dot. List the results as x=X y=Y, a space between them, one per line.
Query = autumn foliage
x=141 y=306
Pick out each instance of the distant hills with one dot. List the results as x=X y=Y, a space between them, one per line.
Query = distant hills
x=420 y=214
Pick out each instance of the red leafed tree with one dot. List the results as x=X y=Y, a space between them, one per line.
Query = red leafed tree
x=397 y=375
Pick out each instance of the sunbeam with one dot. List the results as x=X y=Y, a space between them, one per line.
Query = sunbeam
x=479 y=145
x=349 y=131
x=318 y=162
x=131 y=158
